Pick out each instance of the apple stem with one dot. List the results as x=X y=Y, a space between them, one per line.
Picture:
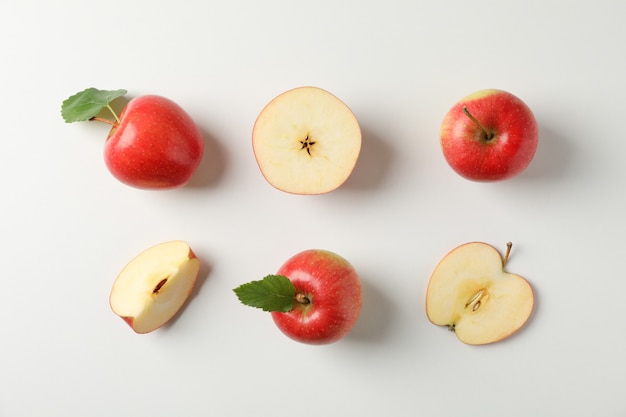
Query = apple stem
x=107 y=121
x=509 y=245
x=302 y=299
x=488 y=134
x=112 y=123
x=117 y=119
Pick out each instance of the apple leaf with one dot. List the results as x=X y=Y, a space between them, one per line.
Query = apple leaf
x=88 y=103
x=272 y=293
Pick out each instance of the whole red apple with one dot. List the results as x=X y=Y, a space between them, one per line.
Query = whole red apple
x=153 y=144
x=316 y=297
x=489 y=135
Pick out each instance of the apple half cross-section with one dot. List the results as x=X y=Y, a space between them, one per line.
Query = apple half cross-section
x=306 y=141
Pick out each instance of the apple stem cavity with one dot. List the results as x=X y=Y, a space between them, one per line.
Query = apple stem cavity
x=302 y=299
x=489 y=135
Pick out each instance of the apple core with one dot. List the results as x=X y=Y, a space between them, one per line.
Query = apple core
x=307 y=144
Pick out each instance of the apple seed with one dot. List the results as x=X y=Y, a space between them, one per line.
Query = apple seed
x=475 y=300
x=159 y=286
x=307 y=143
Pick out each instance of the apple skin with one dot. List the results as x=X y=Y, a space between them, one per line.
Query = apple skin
x=332 y=286
x=155 y=146
x=474 y=156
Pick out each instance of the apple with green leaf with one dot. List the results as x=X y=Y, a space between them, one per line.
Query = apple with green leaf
x=489 y=135
x=306 y=141
x=314 y=298
x=152 y=144
x=471 y=293
x=155 y=285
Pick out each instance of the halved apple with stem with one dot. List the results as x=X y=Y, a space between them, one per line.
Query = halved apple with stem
x=471 y=293
x=306 y=141
x=153 y=286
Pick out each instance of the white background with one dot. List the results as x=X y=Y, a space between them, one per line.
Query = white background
x=68 y=226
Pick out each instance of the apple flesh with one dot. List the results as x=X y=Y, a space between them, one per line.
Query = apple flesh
x=306 y=141
x=471 y=293
x=489 y=135
x=155 y=145
x=154 y=286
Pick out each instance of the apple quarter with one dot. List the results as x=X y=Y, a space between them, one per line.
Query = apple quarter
x=306 y=141
x=154 y=285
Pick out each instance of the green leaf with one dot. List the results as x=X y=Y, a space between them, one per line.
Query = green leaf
x=88 y=103
x=272 y=293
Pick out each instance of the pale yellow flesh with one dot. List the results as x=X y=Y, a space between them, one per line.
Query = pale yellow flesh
x=133 y=296
x=473 y=272
x=287 y=121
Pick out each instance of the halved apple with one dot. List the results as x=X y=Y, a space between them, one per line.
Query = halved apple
x=471 y=293
x=153 y=286
x=306 y=141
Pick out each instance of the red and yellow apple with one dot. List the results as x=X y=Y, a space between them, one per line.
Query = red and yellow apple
x=306 y=141
x=489 y=135
x=153 y=144
x=154 y=285
x=314 y=298
x=471 y=293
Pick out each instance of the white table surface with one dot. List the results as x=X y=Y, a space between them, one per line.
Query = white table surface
x=68 y=227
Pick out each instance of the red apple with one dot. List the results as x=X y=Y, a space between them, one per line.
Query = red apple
x=315 y=297
x=489 y=135
x=153 y=144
